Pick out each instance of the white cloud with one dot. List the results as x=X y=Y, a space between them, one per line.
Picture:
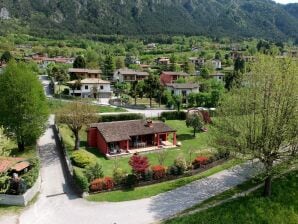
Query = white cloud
x=286 y=1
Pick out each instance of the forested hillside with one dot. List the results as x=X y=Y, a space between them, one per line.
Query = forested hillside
x=233 y=18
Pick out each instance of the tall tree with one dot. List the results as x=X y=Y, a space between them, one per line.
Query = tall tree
x=108 y=67
x=76 y=115
x=79 y=62
x=151 y=86
x=24 y=110
x=260 y=119
x=120 y=63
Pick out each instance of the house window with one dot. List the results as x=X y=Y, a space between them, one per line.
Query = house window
x=184 y=92
x=86 y=87
x=101 y=87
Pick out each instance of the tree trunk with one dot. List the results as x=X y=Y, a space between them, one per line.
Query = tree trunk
x=268 y=186
x=150 y=102
x=77 y=141
x=21 y=146
x=194 y=132
x=135 y=100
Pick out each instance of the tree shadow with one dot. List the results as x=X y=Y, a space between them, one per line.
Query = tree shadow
x=184 y=137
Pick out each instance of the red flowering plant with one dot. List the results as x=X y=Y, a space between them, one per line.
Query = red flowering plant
x=158 y=171
x=199 y=162
x=101 y=184
x=139 y=165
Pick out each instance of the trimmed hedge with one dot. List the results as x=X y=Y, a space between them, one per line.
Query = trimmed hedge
x=82 y=158
x=121 y=117
x=80 y=179
x=31 y=176
x=173 y=115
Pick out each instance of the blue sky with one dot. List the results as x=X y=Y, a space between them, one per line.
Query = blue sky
x=286 y=1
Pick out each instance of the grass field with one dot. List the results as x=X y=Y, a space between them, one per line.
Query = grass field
x=55 y=105
x=282 y=207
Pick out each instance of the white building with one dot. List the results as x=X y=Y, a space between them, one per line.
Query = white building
x=129 y=75
x=218 y=76
x=90 y=87
x=183 y=89
x=216 y=64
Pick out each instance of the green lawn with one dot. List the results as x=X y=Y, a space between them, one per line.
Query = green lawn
x=198 y=145
x=282 y=207
x=55 y=104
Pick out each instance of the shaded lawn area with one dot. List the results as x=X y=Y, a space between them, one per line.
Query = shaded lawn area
x=55 y=105
x=198 y=145
x=281 y=207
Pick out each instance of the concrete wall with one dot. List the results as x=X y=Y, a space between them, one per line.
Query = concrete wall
x=21 y=200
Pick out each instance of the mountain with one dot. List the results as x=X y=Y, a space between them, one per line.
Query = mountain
x=233 y=18
x=292 y=9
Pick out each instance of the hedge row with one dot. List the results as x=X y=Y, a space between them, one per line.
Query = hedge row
x=120 y=117
x=173 y=115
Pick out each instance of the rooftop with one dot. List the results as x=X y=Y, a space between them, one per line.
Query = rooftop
x=175 y=73
x=84 y=70
x=124 y=130
x=183 y=85
x=132 y=72
x=14 y=163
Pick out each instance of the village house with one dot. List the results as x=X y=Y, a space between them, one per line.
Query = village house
x=163 y=61
x=183 y=89
x=44 y=61
x=90 y=88
x=218 y=76
x=216 y=64
x=198 y=62
x=128 y=137
x=83 y=73
x=171 y=77
x=129 y=75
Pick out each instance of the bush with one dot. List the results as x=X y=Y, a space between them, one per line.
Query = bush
x=199 y=162
x=119 y=176
x=82 y=158
x=174 y=115
x=139 y=164
x=101 y=184
x=173 y=170
x=80 y=179
x=4 y=183
x=131 y=181
x=159 y=172
x=93 y=171
x=181 y=165
x=31 y=176
x=121 y=117
x=148 y=175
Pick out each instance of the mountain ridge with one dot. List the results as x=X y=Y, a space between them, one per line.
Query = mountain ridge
x=233 y=18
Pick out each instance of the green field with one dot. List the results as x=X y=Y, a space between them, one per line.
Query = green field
x=282 y=207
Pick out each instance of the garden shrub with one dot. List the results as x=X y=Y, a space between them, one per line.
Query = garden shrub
x=139 y=164
x=93 y=171
x=121 y=117
x=119 y=176
x=174 y=115
x=131 y=181
x=181 y=164
x=199 y=162
x=4 y=183
x=80 y=179
x=173 y=170
x=101 y=184
x=82 y=158
x=31 y=176
x=148 y=175
x=159 y=172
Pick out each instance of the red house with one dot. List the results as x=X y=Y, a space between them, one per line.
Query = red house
x=171 y=77
x=114 y=138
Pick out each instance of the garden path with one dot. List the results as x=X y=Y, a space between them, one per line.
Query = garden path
x=58 y=204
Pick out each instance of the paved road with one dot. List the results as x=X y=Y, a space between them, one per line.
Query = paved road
x=57 y=204
x=44 y=79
